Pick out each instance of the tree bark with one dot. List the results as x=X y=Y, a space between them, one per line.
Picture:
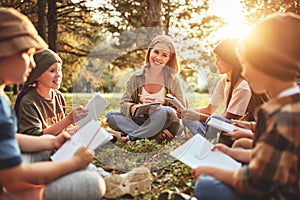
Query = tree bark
x=154 y=21
x=42 y=23
x=52 y=24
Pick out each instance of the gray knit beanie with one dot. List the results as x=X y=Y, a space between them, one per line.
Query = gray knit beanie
x=43 y=60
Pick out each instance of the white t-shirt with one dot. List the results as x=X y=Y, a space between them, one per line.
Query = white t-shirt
x=240 y=98
x=159 y=96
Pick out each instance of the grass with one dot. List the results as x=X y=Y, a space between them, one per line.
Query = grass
x=168 y=173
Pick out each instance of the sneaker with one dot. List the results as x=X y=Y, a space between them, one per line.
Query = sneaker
x=116 y=135
x=133 y=182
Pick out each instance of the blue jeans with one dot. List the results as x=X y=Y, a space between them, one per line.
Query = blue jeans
x=210 y=188
x=197 y=127
x=145 y=127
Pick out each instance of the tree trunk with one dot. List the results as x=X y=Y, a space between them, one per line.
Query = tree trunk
x=41 y=26
x=52 y=24
x=154 y=21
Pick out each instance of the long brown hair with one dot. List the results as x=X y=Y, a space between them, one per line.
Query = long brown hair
x=226 y=50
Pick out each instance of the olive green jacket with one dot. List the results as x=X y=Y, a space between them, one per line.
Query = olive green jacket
x=135 y=84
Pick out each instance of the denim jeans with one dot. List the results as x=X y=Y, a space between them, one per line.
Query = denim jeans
x=197 y=127
x=210 y=188
x=207 y=187
x=143 y=127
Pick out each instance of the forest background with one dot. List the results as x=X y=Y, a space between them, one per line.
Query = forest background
x=102 y=42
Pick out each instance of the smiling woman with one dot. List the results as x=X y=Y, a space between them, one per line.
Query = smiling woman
x=231 y=12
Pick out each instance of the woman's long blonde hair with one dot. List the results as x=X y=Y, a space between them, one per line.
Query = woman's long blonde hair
x=167 y=40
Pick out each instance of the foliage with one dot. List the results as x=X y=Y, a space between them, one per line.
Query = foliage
x=256 y=10
x=167 y=173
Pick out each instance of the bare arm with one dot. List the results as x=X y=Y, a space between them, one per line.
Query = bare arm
x=76 y=114
x=24 y=176
x=237 y=134
x=198 y=114
x=223 y=175
x=28 y=143
x=241 y=155
x=208 y=110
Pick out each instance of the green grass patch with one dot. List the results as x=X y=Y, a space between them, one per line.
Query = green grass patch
x=168 y=173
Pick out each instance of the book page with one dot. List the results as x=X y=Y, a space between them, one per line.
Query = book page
x=224 y=126
x=91 y=135
x=96 y=106
x=175 y=102
x=197 y=152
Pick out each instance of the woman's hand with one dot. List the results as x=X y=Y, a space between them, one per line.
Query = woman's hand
x=244 y=124
x=148 y=99
x=237 y=134
x=77 y=113
x=222 y=147
x=190 y=114
x=200 y=171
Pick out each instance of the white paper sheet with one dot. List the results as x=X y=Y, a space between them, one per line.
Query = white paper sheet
x=224 y=126
x=91 y=135
x=197 y=152
x=96 y=106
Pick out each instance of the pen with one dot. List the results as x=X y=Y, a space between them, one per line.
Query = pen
x=244 y=116
x=218 y=137
x=187 y=105
x=92 y=139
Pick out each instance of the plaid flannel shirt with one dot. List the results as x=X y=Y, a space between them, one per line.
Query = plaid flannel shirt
x=274 y=169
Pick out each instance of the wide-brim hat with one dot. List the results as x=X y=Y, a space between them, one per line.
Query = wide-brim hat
x=17 y=33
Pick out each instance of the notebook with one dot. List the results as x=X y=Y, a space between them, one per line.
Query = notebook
x=224 y=126
x=91 y=135
x=175 y=102
x=197 y=152
x=96 y=106
x=144 y=108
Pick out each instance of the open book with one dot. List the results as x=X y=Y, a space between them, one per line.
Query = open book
x=96 y=106
x=224 y=126
x=91 y=135
x=197 y=152
x=175 y=102
x=144 y=108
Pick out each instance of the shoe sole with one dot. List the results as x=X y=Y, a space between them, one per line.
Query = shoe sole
x=133 y=183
